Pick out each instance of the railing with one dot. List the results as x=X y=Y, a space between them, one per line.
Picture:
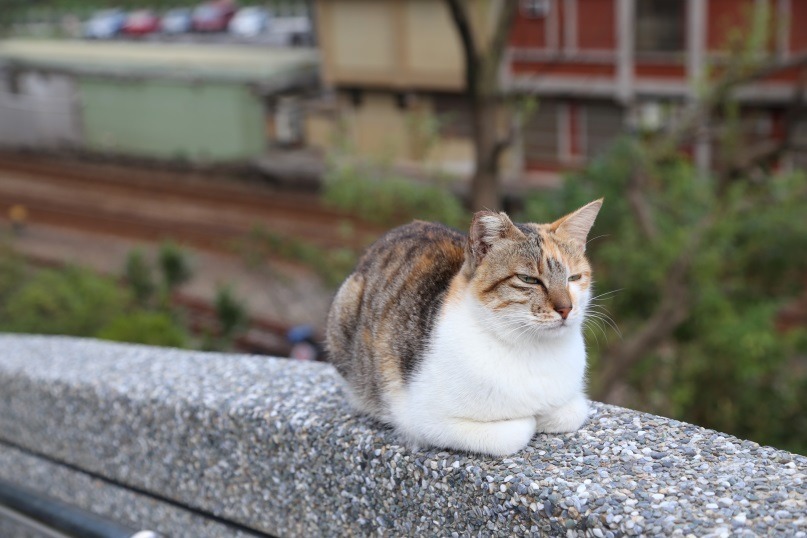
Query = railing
x=196 y=444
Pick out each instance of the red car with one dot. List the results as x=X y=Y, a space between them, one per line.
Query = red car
x=141 y=23
x=213 y=16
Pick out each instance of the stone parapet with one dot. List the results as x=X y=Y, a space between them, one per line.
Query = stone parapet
x=206 y=444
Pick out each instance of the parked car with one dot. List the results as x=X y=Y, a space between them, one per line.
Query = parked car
x=104 y=24
x=141 y=23
x=249 y=21
x=213 y=16
x=177 y=21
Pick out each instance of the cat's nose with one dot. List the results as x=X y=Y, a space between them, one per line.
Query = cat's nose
x=563 y=311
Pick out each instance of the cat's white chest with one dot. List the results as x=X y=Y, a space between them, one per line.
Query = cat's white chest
x=470 y=373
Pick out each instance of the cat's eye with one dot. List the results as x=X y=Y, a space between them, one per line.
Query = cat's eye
x=574 y=277
x=527 y=279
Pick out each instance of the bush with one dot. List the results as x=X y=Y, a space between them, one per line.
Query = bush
x=153 y=328
x=390 y=200
x=332 y=265
x=12 y=273
x=230 y=312
x=174 y=264
x=138 y=275
x=72 y=301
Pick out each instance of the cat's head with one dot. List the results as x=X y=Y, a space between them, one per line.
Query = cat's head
x=530 y=279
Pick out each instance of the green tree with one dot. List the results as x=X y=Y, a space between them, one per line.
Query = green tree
x=695 y=267
x=702 y=269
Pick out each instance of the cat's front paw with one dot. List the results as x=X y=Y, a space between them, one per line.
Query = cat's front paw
x=567 y=418
x=497 y=438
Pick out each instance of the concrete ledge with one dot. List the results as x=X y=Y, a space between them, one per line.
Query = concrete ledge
x=269 y=446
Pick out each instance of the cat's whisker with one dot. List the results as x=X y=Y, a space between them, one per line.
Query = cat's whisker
x=604 y=313
x=598 y=237
x=509 y=327
x=592 y=332
x=595 y=322
x=506 y=325
x=606 y=293
x=606 y=319
x=601 y=308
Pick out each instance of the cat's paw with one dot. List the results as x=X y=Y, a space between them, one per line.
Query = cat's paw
x=496 y=438
x=499 y=438
x=567 y=418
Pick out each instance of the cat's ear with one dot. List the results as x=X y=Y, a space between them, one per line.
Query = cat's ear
x=488 y=227
x=577 y=224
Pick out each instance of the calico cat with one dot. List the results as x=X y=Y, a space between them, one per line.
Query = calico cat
x=469 y=342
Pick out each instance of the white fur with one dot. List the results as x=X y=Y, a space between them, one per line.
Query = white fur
x=489 y=382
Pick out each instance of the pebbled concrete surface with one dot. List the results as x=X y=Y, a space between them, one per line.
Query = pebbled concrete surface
x=132 y=509
x=271 y=444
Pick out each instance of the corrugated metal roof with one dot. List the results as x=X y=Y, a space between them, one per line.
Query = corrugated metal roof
x=237 y=63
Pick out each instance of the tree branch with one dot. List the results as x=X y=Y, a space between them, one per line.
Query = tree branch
x=501 y=35
x=673 y=309
x=469 y=49
x=638 y=204
x=734 y=78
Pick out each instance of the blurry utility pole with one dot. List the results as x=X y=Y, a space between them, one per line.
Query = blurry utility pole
x=483 y=56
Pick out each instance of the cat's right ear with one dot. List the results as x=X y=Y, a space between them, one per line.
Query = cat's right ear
x=488 y=227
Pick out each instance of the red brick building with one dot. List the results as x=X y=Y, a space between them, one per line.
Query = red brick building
x=600 y=67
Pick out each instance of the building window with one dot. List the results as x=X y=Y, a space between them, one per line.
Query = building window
x=660 y=25
x=535 y=9
x=542 y=136
x=604 y=124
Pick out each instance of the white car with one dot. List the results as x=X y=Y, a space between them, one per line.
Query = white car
x=105 y=24
x=250 y=22
x=176 y=21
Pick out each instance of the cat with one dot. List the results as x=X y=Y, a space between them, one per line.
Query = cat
x=472 y=342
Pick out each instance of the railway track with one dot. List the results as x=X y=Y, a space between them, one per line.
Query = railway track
x=155 y=205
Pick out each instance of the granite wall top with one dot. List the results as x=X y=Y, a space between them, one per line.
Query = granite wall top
x=271 y=447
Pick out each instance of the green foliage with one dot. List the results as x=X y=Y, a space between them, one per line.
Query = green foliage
x=390 y=200
x=725 y=366
x=12 y=273
x=72 y=301
x=75 y=301
x=153 y=328
x=138 y=275
x=174 y=264
x=230 y=312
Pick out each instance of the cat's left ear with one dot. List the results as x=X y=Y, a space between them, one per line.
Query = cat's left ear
x=576 y=225
x=486 y=229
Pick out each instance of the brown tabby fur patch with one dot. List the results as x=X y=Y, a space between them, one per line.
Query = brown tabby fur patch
x=391 y=300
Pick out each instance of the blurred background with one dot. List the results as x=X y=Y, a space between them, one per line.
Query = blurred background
x=204 y=175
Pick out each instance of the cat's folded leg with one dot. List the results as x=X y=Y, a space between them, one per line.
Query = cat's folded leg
x=564 y=419
x=497 y=438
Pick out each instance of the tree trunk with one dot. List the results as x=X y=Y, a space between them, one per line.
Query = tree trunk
x=482 y=91
x=485 y=181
